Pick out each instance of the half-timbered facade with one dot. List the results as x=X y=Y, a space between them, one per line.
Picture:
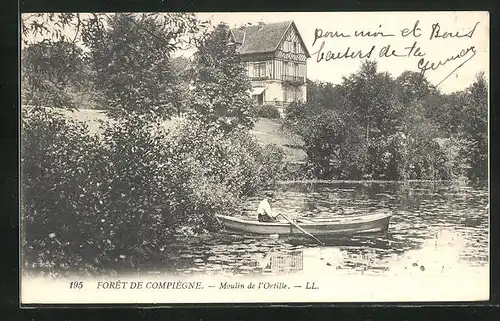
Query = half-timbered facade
x=275 y=57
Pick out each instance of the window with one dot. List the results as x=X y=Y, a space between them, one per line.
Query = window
x=256 y=70
x=289 y=46
x=259 y=69
x=262 y=69
x=258 y=99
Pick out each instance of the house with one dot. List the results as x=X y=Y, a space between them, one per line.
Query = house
x=275 y=57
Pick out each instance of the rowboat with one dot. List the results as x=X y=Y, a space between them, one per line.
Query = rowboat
x=337 y=226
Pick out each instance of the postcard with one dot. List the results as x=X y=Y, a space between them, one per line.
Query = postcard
x=277 y=157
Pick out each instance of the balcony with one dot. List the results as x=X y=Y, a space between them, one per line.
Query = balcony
x=293 y=80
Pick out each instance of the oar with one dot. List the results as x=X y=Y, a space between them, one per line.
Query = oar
x=302 y=230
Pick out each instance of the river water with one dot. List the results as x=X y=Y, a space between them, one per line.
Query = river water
x=436 y=229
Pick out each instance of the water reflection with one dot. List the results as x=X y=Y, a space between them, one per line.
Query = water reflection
x=286 y=261
x=436 y=228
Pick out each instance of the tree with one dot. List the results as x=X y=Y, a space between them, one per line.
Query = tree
x=475 y=126
x=333 y=146
x=333 y=141
x=221 y=95
x=54 y=69
x=49 y=70
x=181 y=66
x=371 y=96
x=328 y=95
x=108 y=200
x=128 y=54
x=412 y=86
x=132 y=67
x=446 y=110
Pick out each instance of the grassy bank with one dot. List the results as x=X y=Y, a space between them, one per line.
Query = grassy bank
x=267 y=131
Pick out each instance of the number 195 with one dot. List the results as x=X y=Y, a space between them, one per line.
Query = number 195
x=76 y=285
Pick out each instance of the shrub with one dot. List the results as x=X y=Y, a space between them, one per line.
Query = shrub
x=334 y=149
x=58 y=195
x=295 y=111
x=152 y=190
x=267 y=111
x=446 y=160
x=234 y=159
x=114 y=201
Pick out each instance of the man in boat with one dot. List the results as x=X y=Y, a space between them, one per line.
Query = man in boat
x=264 y=211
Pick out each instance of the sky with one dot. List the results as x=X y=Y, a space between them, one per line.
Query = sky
x=471 y=50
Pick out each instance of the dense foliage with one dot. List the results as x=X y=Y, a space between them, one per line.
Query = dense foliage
x=51 y=73
x=132 y=69
x=267 y=111
x=113 y=199
x=221 y=86
x=121 y=62
x=373 y=126
x=58 y=196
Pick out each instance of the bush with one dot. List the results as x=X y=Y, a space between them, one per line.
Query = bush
x=296 y=111
x=235 y=160
x=111 y=202
x=153 y=188
x=445 y=160
x=59 y=200
x=267 y=111
x=334 y=148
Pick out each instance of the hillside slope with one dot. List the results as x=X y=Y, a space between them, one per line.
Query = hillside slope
x=267 y=131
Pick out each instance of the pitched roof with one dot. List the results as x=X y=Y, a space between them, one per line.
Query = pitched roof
x=238 y=35
x=261 y=38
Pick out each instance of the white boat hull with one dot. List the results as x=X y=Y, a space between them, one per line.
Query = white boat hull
x=346 y=225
